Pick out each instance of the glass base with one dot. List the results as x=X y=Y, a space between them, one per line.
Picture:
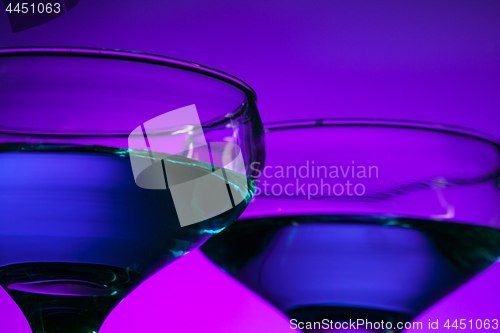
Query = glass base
x=348 y=319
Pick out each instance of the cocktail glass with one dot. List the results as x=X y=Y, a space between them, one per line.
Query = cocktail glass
x=360 y=225
x=112 y=165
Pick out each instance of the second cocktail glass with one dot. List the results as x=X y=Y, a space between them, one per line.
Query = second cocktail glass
x=365 y=221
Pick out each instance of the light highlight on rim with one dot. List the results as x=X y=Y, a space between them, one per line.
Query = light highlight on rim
x=283 y=125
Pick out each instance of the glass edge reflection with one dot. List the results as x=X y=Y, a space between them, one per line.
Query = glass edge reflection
x=133 y=55
x=282 y=125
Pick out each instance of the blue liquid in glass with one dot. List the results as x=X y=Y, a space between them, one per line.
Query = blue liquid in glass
x=353 y=267
x=77 y=234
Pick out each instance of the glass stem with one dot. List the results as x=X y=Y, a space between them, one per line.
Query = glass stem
x=352 y=331
x=348 y=319
x=69 y=314
x=66 y=297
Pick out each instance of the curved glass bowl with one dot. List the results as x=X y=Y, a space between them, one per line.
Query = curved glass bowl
x=365 y=219
x=112 y=165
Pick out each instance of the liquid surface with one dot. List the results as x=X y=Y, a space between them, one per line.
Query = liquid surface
x=353 y=267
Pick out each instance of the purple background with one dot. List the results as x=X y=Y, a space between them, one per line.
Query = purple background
x=436 y=61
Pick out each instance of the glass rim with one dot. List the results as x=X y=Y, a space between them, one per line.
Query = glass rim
x=134 y=56
x=115 y=54
x=372 y=122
